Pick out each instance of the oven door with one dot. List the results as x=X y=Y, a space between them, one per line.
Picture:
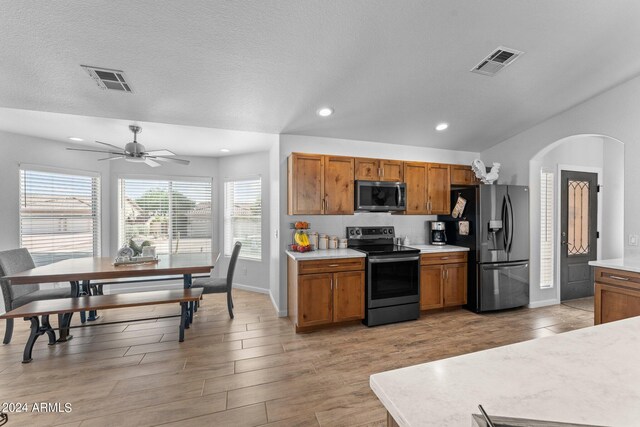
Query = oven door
x=393 y=280
x=378 y=196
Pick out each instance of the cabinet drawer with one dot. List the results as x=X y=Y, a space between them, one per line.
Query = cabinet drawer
x=443 y=258
x=330 y=265
x=618 y=277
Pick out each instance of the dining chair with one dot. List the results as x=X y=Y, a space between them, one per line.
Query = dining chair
x=221 y=285
x=16 y=261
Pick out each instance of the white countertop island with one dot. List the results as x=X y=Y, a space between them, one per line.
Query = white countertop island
x=625 y=264
x=588 y=376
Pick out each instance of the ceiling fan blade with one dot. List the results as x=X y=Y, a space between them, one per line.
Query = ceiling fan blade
x=161 y=153
x=151 y=163
x=109 y=145
x=112 y=158
x=95 y=151
x=172 y=160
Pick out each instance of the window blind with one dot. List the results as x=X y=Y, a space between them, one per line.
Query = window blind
x=243 y=217
x=546 y=229
x=59 y=215
x=174 y=216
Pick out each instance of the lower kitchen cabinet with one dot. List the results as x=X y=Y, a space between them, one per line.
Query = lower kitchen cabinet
x=617 y=295
x=324 y=292
x=443 y=280
x=316 y=305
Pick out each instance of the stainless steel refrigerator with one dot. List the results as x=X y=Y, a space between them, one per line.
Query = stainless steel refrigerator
x=498 y=242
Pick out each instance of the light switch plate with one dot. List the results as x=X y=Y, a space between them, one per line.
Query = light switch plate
x=633 y=240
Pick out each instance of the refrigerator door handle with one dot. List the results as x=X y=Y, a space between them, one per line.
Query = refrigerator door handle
x=504 y=266
x=511 y=220
x=505 y=241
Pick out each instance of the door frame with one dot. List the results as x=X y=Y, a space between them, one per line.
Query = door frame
x=558 y=218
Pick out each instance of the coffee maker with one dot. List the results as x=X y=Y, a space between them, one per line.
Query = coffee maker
x=437 y=235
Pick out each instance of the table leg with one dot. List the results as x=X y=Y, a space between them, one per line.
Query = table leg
x=187 y=281
x=35 y=331
x=183 y=320
x=84 y=290
x=97 y=290
x=66 y=318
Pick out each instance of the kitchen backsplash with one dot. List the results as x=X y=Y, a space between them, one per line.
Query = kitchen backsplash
x=414 y=226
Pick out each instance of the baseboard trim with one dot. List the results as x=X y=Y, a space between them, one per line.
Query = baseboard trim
x=280 y=313
x=544 y=303
x=250 y=288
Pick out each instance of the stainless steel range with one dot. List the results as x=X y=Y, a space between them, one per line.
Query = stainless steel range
x=392 y=275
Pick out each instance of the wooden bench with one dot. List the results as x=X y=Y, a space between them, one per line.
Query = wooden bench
x=45 y=308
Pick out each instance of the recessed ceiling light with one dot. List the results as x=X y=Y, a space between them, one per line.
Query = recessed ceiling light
x=75 y=138
x=442 y=126
x=325 y=111
x=225 y=150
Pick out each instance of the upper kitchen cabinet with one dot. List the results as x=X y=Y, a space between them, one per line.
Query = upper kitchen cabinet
x=378 y=170
x=415 y=177
x=438 y=188
x=306 y=184
x=338 y=185
x=320 y=185
x=463 y=175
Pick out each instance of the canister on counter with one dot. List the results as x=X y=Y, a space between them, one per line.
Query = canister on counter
x=313 y=239
x=333 y=242
x=342 y=244
x=323 y=241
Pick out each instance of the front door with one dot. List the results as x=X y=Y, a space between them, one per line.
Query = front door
x=579 y=211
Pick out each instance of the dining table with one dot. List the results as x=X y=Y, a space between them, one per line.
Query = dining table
x=80 y=272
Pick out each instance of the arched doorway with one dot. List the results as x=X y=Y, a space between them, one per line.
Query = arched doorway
x=576 y=158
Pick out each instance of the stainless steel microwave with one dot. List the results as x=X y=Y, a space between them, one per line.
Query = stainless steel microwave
x=380 y=196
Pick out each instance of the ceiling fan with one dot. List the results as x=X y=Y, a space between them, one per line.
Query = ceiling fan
x=135 y=152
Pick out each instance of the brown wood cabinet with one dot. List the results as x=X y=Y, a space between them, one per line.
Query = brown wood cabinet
x=463 y=175
x=415 y=176
x=617 y=295
x=306 y=184
x=338 y=185
x=324 y=185
x=438 y=189
x=322 y=292
x=320 y=184
x=443 y=280
x=378 y=170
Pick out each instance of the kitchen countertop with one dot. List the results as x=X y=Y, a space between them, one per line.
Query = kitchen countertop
x=626 y=264
x=325 y=254
x=433 y=249
x=588 y=376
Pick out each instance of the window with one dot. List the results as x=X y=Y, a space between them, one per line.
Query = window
x=546 y=229
x=59 y=215
x=243 y=217
x=174 y=216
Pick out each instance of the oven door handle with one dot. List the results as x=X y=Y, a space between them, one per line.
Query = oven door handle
x=394 y=259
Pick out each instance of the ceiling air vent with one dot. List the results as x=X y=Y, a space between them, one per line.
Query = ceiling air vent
x=496 y=61
x=108 y=79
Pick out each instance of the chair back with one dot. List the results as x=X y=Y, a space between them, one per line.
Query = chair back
x=232 y=264
x=12 y=262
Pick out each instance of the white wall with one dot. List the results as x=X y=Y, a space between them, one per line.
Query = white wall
x=613 y=113
x=413 y=226
x=16 y=149
x=612 y=226
x=583 y=153
x=250 y=274
x=274 y=228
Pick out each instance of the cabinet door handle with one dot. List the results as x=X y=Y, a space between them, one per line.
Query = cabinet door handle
x=326 y=203
x=625 y=279
x=444 y=257
x=334 y=265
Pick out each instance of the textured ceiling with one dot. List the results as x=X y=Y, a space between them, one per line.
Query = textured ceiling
x=391 y=69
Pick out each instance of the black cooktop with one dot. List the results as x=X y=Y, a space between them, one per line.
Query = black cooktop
x=385 y=249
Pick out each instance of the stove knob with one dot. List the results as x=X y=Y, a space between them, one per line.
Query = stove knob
x=384 y=231
x=352 y=232
x=391 y=231
x=358 y=232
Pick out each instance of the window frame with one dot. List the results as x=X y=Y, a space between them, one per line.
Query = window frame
x=547 y=195
x=225 y=181
x=97 y=241
x=164 y=178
